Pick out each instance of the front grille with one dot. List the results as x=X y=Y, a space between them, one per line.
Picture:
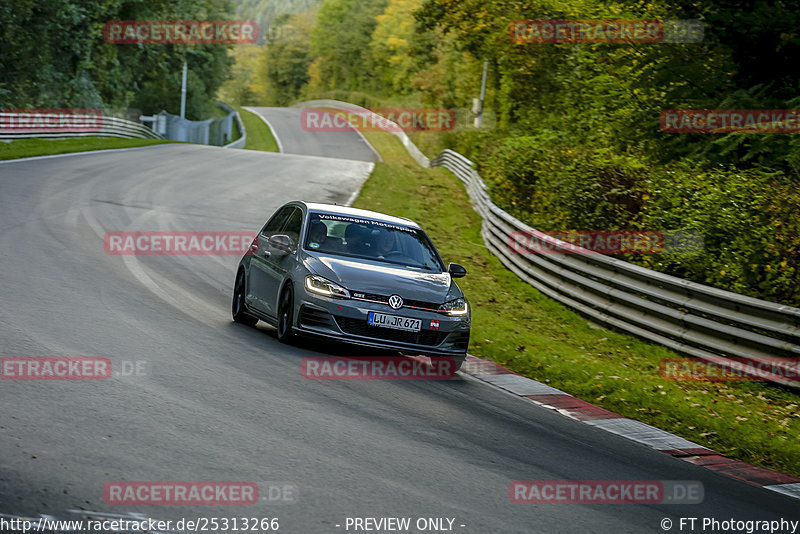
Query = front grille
x=384 y=299
x=358 y=295
x=358 y=327
x=421 y=304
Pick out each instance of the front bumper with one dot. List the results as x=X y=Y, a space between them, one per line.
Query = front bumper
x=345 y=320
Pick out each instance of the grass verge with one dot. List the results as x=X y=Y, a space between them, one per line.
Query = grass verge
x=259 y=137
x=518 y=327
x=24 y=148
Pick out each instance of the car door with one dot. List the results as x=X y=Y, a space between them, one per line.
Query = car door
x=259 y=278
x=278 y=265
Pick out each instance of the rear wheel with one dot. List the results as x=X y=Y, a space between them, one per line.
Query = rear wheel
x=285 y=313
x=237 y=304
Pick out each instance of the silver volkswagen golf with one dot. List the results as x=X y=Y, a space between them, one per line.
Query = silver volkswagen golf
x=355 y=276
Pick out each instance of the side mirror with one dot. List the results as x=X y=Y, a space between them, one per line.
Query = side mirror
x=456 y=271
x=281 y=243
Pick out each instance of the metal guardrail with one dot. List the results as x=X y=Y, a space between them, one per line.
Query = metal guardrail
x=242 y=141
x=690 y=318
x=693 y=319
x=20 y=125
x=216 y=132
x=107 y=127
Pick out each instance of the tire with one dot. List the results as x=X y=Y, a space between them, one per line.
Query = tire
x=238 y=307
x=285 y=315
x=459 y=361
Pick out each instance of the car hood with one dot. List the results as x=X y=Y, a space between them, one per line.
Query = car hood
x=384 y=279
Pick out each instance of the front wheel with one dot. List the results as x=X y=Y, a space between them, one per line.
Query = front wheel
x=237 y=304
x=285 y=314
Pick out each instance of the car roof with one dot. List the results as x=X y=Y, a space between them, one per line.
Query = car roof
x=356 y=212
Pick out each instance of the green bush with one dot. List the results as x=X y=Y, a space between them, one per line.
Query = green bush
x=746 y=218
x=556 y=186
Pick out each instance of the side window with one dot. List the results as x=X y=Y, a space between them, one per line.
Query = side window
x=276 y=222
x=292 y=226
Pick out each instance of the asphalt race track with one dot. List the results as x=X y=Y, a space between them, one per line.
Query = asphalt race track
x=287 y=125
x=223 y=402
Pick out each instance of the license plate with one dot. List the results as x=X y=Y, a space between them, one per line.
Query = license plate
x=394 y=321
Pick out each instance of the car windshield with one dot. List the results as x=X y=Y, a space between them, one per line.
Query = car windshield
x=371 y=239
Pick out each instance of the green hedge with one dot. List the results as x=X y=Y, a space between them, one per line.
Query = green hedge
x=748 y=219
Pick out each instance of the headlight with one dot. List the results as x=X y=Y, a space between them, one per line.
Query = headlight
x=323 y=286
x=455 y=307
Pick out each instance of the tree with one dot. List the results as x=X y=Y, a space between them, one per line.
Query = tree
x=340 y=41
x=390 y=44
x=53 y=55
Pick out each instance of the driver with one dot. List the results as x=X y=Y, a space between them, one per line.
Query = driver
x=317 y=234
x=356 y=236
x=385 y=243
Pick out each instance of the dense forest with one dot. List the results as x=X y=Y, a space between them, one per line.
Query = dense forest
x=53 y=55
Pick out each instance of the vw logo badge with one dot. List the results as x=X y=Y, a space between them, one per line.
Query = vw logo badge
x=395 y=302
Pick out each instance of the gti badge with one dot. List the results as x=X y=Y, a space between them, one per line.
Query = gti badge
x=395 y=302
